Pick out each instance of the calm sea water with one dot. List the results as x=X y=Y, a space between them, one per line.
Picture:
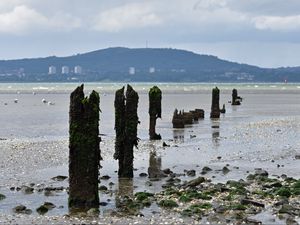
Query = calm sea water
x=31 y=118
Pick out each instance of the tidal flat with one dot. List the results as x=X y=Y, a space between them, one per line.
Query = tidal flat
x=243 y=167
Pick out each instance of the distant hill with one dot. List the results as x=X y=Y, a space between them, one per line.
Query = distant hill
x=143 y=64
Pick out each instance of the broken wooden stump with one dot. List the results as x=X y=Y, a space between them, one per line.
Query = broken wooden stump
x=236 y=100
x=215 y=106
x=126 y=121
x=154 y=111
x=197 y=114
x=178 y=121
x=84 y=149
x=188 y=118
x=223 y=110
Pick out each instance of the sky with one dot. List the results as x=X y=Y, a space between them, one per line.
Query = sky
x=265 y=33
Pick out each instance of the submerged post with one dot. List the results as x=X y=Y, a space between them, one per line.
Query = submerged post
x=215 y=106
x=84 y=149
x=126 y=121
x=154 y=111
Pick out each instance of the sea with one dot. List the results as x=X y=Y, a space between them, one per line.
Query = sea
x=262 y=133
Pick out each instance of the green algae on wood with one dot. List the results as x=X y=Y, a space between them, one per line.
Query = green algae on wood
x=119 y=126
x=84 y=149
x=155 y=96
x=126 y=121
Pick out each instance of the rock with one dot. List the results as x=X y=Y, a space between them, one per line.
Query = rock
x=22 y=209
x=219 y=157
x=103 y=188
x=93 y=212
x=220 y=209
x=148 y=183
x=103 y=203
x=27 y=190
x=42 y=210
x=281 y=202
x=12 y=188
x=2 y=197
x=49 y=205
x=225 y=170
x=165 y=145
x=195 y=182
x=252 y=202
x=105 y=177
x=253 y=221
x=143 y=174
x=111 y=183
x=167 y=171
x=297 y=156
x=260 y=172
x=289 y=209
x=59 y=178
x=191 y=173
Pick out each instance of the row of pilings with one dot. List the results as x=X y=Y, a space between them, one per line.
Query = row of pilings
x=84 y=140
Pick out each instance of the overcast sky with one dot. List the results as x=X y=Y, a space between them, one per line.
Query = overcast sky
x=259 y=32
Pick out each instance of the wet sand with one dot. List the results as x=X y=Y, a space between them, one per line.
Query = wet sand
x=258 y=134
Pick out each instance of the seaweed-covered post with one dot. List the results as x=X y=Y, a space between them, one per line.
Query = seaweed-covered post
x=84 y=149
x=131 y=122
x=215 y=107
x=120 y=127
x=235 y=98
x=154 y=111
x=126 y=121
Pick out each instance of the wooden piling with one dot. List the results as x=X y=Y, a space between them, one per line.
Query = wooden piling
x=84 y=149
x=154 y=111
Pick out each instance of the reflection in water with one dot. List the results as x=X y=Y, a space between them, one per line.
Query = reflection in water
x=154 y=170
x=216 y=138
x=125 y=191
x=73 y=211
x=216 y=133
x=178 y=135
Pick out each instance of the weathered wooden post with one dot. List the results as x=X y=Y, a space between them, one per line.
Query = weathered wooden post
x=154 y=111
x=235 y=98
x=84 y=149
x=215 y=106
x=120 y=127
x=131 y=122
x=126 y=121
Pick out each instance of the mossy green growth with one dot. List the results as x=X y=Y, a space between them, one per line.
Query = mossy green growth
x=2 y=197
x=296 y=184
x=184 y=198
x=284 y=192
x=201 y=206
x=236 y=206
x=171 y=191
x=141 y=196
x=168 y=203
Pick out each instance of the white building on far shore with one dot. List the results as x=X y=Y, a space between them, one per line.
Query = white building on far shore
x=78 y=70
x=52 y=70
x=152 y=70
x=65 y=70
x=131 y=70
